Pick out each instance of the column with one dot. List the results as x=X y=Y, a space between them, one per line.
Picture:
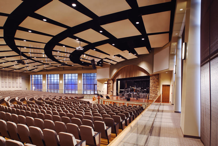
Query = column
x=61 y=87
x=177 y=105
x=190 y=117
x=80 y=83
x=44 y=83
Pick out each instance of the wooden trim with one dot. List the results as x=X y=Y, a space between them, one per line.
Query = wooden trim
x=190 y=136
x=120 y=137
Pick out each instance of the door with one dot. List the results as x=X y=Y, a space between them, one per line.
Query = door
x=165 y=93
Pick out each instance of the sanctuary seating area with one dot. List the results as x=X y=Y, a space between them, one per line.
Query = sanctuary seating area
x=51 y=119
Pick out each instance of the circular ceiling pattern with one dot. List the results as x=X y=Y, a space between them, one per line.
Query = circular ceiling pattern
x=48 y=33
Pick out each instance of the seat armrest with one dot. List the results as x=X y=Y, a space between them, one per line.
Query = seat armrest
x=97 y=138
x=80 y=142
x=108 y=130
x=123 y=121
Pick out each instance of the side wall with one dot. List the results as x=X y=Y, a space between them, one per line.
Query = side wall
x=209 y=72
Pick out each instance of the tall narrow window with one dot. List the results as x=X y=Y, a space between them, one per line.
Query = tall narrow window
x=36 y=82
x=53 y=83
x=89 y=83
x=70 y=83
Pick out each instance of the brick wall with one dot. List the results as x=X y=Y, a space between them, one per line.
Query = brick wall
x=154 y=86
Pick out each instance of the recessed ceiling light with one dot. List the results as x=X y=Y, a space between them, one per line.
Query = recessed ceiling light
x=84 y=55
x=72 y=65
x=5 y=56
x=63 y=46
x=29 y=31
x=120 y=57
x=24 y=40
x=94 y=49
x=166 y=72
x=74 y=5
x=142 y=39
x=176 y=33
x=3 y=68
x=180 y=9
x=44 y=20
x=24 y=47
x=137 y=22
x=101 y=31
x=76 y=39
x=134 y=54
x=113 y=44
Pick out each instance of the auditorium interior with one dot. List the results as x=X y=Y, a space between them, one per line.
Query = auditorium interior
x=108 y=72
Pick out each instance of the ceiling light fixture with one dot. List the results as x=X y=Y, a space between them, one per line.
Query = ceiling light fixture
x=29 y=31
x=113 y=44
x=142 y=39
x=180 y=9
x=79 y=47
x=137 y=22
x=101 y=31
x=94 y=49
x=24 y=40
x=74 y=5
x=44 y=20
x=176 y=33
x=63 y=46
x=76 y=39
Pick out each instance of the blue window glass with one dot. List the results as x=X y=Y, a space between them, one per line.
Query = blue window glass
x=36 y=82
x=70 y=83
x=53 y=83
x=89 y=83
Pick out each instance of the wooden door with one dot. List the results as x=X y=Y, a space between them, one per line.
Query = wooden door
x=165 y=93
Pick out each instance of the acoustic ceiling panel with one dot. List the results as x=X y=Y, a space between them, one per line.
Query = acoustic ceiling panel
x=32 y=50
x=158 y=40
x=32 y=36
x=141 y=50
x=7 y=64
x=2 y=20
x=8 y=6
x=100 y=7
x=5 y=48
x=62 y=13
x=142 y=3
x=116 y=58
x=91 y=35
x=96 y=54
x=160 y=24
x=121 y=29
x=29 y=44
x=109 y=49
x=13 y=58
x=72 y=42
x=11 y=53
x=1 y=32
x=127 y=55
x=41 y=26
x=2 y=41
x=63 y=49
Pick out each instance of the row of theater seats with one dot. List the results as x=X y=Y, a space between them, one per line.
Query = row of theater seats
x=9 y=142
x=36 y=136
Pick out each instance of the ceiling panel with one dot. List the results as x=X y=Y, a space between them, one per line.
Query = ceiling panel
x=62 y=13
x=18 y=66
x=91 y=35
x=142 y=3
x=5 y=48
x=41 y=26
x=32 y=36
x=6 y=69
x=116 y=58
x=8 y=6
x=158 y=40
x=32 y=50
x=1 y=60
x=2 y=20
x=13 y=58
x=109 y=49
x=96 y=54
x=29 y=44
x=127 y=55
x=105 y=7
x=72 y=42
x=1 y=32
x=141 y=50
x=7 y=64
x=110 y=61
x=11 y=53
x=121 y=29
x=63 y=49
x=160 y=24
x=2 y=41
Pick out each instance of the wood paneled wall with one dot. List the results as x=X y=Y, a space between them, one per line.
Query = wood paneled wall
x=209 y=72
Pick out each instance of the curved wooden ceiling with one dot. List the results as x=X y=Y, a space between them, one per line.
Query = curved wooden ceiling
x=47 y=32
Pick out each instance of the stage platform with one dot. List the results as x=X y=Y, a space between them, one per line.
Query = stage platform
x=122 y=101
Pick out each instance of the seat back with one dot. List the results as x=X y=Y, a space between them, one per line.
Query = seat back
x=88 y=122
x=8 y=116
x=97 y=118
x=24 y=133
x=48 y=116
x=14 y=118
x=50 y=137
x=22 y=112
x=28 y=113
x=3 y=115
x=12 y=129
x=60 y=127
x=56 y=118
x=49 y=124
x=36 y=135
x=34 y=114
x=39 y=123
x=66 y=119
x=13 y=143
x=117 y=118
x=67 y=139
x=88 y=117
x=106 y=115
x=79 y=116
x=87 y=133
x=70 y=115
x=2 y=141
x=55 y=113
x=76 y=121
x=30 y=121
x=41 y=116
x=73 y=129
x=62 y=114
x=22 y=119
x=4 y=129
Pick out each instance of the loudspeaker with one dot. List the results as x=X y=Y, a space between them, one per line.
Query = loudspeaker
x=93 y=64
x=100 y=63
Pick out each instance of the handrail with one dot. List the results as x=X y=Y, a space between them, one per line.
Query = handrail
x=120 y=137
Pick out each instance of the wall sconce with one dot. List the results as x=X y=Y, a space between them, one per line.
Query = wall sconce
x=44 y=82
x=184 y=46
x=79 y=81
x=60 y=81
